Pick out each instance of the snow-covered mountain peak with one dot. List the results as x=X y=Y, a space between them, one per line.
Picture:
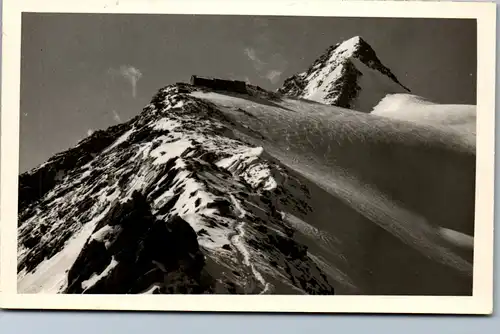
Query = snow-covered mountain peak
x=348 y=75
x=350 y=46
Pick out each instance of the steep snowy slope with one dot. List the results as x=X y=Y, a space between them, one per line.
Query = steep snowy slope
x=417 y=109
x=382 y=176
x=348 y=75
x=212 y=192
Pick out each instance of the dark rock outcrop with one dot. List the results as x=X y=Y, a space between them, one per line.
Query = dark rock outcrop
x=141 y=252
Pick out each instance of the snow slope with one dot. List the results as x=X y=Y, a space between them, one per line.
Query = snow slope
x=214 y=192
x=348 y=75
x=398 y=177
x=419 y=110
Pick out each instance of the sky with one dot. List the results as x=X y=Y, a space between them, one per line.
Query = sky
x=83 y=72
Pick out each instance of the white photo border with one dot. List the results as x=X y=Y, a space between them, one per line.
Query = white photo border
x=481 y=302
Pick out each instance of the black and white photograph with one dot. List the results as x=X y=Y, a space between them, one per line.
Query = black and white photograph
x=236 y=154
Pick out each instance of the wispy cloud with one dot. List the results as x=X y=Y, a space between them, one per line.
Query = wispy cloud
x=116 y=116
x=271 y=69
x=269 y=66
x=252 y=55
x=265 y=52
x=90 y=132
x=129 y=73
x=274 y=76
